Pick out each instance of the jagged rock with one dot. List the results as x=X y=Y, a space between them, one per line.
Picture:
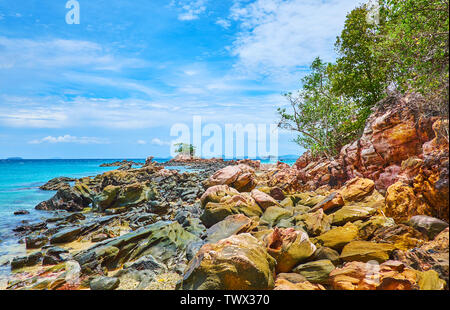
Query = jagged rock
x=163 y=239
x=35 y=242
x=402 y=203
x=365 y=251
x=127 y=196
x=369 y=227
x=57 y=183
x=240 y=177
x=331 y=202
x=66 y=235
x=231 y=225
x=71 y=199
x=401 y=236
x=315 y=272
x=239 y=262
x=263 y=200
x=324 y=253
x=338 y=237
x=238 y=204
x=356 y=189
x=289 y=247
x=26 y=261
x=315 y=223
x=309 y=199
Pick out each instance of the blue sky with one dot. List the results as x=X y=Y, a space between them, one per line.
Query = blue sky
x=112 y=86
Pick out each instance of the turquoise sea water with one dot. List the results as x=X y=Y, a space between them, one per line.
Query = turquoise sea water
x=19 y=190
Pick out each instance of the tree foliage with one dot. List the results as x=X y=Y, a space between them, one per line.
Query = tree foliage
x=406 y=50
x=319 y=115
x=185 y=149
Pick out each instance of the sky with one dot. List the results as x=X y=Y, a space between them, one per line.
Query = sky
x=115 y=84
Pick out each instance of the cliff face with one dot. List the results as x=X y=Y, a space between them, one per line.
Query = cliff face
x=398 y=148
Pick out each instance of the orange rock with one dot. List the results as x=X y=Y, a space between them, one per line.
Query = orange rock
x=402 y=203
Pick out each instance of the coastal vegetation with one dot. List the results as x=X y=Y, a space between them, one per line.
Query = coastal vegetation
x=404 y=50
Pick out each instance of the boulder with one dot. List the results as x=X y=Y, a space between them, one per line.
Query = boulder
x=263 y=200
x=238 y=204
x=315 y=223
x=231 y=225
x=104 y=284
x=26 y=261
x=356 y=189
x=240 y=177
x=216 y=193
x=71 y=199
x=429 y=225
x=293 y=282
x=324 y=253
x=239 y=262
x=338 y=237
x=315 y=272
x=35 y=242
x=289 y=247
x=273 y=215
x=331 y=202
x=66 y=235
x=400 y=236
x=402 y=203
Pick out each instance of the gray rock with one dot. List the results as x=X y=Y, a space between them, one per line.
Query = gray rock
x=26 y=261
x=66 y=235
x=35 y=242
x=104 y=284
x=429 y=225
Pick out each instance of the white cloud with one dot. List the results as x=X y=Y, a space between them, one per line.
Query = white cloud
x=191 y=9
x=159 y=142
x=60 y=53
x=141 y=142
x=69 y=139
x=279 y=37
x=223 y=23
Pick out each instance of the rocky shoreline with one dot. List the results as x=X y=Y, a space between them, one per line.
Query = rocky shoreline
x=376 y=218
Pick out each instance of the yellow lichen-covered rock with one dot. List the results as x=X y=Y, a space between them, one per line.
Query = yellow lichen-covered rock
x=391 y=275
x=216 y=193
x=289 y=247
x=429 y=280
x=240 y=262
x=315 y=223
x=365 y=251
x=294 y=282
x=237 y=204
x=402 y=203
x=356 y=189
x=338 y=237
x=309 y=199
x=368 y=228
x=273 y=215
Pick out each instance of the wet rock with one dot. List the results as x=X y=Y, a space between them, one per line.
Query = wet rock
x=289 y=247
x=164 y=240
x=66 y=235
x=147 y=262
x=57 y=184
x=239 y=262
x=21 y=212
x=35 y=242
x=104 y=283
x=429 y=225
x=315 y=272
x=71 y=199
x=26 y=261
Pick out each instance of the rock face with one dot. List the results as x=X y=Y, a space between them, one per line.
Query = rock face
x=236 y=263
x=397 y=146
x=240 y=177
